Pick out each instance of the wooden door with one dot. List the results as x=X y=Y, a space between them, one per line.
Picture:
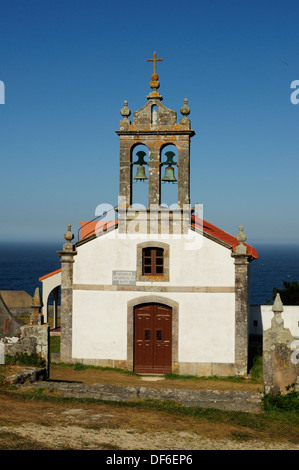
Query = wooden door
x=152 y=339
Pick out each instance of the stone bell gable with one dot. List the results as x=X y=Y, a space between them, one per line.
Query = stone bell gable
x=155 y=126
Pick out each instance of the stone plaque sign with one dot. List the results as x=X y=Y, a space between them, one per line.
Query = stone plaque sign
x=124 y=278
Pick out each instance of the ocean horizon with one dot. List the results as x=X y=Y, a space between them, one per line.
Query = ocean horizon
x=22 y=264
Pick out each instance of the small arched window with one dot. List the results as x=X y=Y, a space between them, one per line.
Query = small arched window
x=152 y=261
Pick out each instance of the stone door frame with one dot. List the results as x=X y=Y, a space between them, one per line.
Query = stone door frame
x=130 y=326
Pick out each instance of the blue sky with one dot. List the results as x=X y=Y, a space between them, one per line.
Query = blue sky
x=68 y=65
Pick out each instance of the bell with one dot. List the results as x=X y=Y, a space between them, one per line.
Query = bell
x=140 y=173
x=169 y=175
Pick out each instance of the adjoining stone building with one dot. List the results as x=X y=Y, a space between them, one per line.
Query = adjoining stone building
x=17 y=301
x=9 y=324
x=158 y=289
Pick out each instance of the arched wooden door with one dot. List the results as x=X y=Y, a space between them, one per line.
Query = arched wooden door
x=152 y=339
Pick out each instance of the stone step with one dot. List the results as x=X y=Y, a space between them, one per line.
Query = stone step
x=217 y=399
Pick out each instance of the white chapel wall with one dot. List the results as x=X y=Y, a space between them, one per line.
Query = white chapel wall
x=208 y=264
x=206 y=320
x=206 y=325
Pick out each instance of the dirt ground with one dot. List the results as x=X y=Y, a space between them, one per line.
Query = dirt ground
x=98 y=376
x=85 y=426
x=37 y=425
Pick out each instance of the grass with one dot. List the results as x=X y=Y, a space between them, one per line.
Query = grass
x=13 y=441
x=251 y=420
x=26 y=320
x=244 y=426
x=282 y=402
x=256 y=371
x=24 y=359
x=209 y=377
x=275 y=423
x=241 y=436
x=278 y=421
x=80 y=366
x=54 y=344
x=256 y=374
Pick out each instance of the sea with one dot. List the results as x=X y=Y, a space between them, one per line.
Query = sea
x=21 y=266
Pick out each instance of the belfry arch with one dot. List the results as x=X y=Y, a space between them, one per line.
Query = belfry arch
x=169 y=175
x=139 y=175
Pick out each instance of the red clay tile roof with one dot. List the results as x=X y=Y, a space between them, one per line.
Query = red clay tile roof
x=89 y=228
x=50 y=274
x=220 y=235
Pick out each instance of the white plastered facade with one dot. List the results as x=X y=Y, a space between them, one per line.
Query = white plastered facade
x=201 y=282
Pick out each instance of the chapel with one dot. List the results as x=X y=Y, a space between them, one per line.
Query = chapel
x=156 y=288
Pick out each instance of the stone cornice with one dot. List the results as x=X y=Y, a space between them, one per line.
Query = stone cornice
x=150 y=288
x=188 y=132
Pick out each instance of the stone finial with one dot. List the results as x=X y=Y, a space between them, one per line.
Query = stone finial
x=68 y=246
x=278 y=305
x=154 y=83
x=36 y=299
x=241 y=237
x=36 y=318
x=125 y=111
x=185 y=110
x=277 y=322
x=69 y=234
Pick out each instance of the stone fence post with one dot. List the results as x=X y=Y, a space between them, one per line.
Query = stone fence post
x=66 y=316
x=241 y=304
x=279 y=370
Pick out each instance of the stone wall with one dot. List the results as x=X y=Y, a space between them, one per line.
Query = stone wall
x=33 y=339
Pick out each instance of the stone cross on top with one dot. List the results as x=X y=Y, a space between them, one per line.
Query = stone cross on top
x=154 y=60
